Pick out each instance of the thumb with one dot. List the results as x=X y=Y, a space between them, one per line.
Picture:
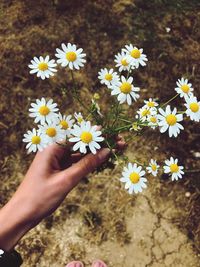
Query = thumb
x=87 y=164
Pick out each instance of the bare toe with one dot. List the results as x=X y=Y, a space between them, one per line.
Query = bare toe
x=75 y=264
x=99 y=263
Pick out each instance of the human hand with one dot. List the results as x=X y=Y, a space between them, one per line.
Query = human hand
x=53 y=173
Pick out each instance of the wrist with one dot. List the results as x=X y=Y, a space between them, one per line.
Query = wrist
x=14 y=224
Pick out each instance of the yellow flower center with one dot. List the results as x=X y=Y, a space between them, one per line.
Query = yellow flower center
x=64 y=125
x=86 y=137
x=51 y=132
x=134 y=177
x=135 y=53
x=185 y=88
x=44 y=110
x=154 y=168
x=71 y=56
x=194 y=107
x=35 y=140
x=171 y=119
x=79 y=119
x=125 y=87
x=151 y=104
x=153 y=119
x=124 y=62
x=174 y=168
x=145 y=112
x=43 y=66
x=96 y=96
x=108 y=77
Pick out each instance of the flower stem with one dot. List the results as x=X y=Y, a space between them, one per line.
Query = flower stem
x=111 y=150
x=121 y=119
x=169 y=101
x=123 y=127
x=79 y=99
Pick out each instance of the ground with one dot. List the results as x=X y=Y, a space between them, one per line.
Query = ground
x=159 y=227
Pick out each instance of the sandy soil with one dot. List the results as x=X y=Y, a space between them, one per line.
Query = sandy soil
x=142 y=231
x=159 y=227
x=154 y=239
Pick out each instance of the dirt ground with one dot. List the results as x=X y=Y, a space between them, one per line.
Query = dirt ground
x=157 y=228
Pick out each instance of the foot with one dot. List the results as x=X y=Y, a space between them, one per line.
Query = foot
x=99 y=263
x=75 y=264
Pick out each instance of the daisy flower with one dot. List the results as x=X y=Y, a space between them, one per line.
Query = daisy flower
x=153 y=167
x=43 y=110
x=108 y=77
x=53 y=132
x=152 y=121
x=144 y=112
x=123 y=63
x=65 y=122
x=35 y=139
x=169 y=120
x=184 y=89
x=70 y=56
x=78 y=117
x=44 y=67
x=173 y=168
x=125 y=90
x=150 y=103
x=85 y=135
x=132 y=176
x=193 y=108
x=135 y=55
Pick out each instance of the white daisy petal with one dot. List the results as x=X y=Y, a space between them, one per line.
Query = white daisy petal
x=42 y=67
x=70 y=56
x=87 y=135
x=132 y=176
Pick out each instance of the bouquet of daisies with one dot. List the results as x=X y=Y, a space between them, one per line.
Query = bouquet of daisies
x=83 y=131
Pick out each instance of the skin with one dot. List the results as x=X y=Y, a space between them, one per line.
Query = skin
x=53 y=173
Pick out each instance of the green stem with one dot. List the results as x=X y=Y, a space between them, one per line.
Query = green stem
x=121 y=119
x=123 y=127
x=116 y=114
x=76 y=95
x=135 y=161
x=79 y=99
x=111 y=150
x=169 y=101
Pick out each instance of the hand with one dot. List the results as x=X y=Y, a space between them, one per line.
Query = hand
x=53 y=173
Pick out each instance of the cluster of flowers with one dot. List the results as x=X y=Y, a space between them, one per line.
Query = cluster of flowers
x=151 y=114
x=133 y=175
x=169 y=119
x=55 y=128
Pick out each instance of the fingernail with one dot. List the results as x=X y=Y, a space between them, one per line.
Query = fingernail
x=103 y=154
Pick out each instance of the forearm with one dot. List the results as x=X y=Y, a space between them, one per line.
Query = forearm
x=13 y=224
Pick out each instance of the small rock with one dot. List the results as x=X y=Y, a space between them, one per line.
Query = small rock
x=187 y=194
x=197 y=154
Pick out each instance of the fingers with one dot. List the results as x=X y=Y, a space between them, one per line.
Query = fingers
x=83 y=167
x=70 y=159
x=121 y=145
x=54 y=150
